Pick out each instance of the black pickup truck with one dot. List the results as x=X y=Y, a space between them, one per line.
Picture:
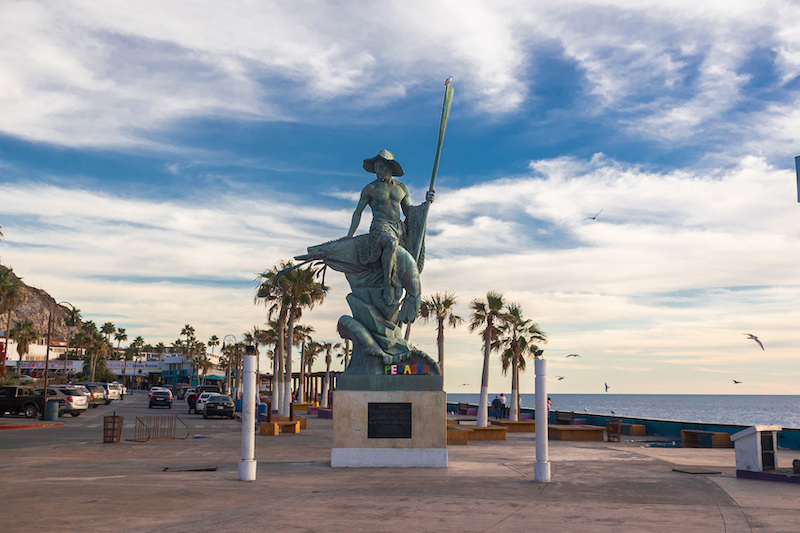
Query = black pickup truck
x=22 y=400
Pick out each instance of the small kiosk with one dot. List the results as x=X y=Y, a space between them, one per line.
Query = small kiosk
x=756 y=447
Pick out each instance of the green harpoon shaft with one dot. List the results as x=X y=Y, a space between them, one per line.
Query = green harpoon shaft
x=448 y=99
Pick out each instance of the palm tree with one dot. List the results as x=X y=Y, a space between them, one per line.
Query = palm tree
x=12 y=295
x=120 y=336
x=108 y=329
x=440 y=307
x=312 y=350
x=271 y=292
x=516 y=338
x=213 y=341
x=24 y=333
x=302 y=336
x=344 y=355
x=326 y=383
x=486 y=313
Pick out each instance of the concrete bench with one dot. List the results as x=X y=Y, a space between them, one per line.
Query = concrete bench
x=324 y=413
x=695 y=438
x=487 y=433
x=526 y=416
x=272 y=428
x=458 y=436
x=577 y=433
x=472 y=411
x=564 y=417
x=312 y=411
x=521 y=426
x=636 y=430
x=462 y=408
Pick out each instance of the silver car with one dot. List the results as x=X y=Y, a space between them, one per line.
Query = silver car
x=71 y=399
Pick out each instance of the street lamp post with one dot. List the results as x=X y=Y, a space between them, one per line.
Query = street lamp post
x=72 y=325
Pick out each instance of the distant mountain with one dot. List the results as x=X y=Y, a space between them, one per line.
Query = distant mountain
x=37 y=307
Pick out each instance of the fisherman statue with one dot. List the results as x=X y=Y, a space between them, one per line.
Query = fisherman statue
x=382 y=271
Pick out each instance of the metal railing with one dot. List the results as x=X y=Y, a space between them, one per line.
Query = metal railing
x=158 y=427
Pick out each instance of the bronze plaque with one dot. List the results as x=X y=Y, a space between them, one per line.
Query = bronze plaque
x=389 y=420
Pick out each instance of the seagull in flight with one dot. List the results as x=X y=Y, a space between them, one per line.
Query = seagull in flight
x=559 y=378
x=607 y=387
x=573 y=355
x=594 y=217
x=736 y=382
x=751 y=336
x=448 y=81
x=464 y=385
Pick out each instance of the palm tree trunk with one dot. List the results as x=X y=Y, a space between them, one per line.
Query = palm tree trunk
x=301 y=386
x=5 y=348
x=326 y=383
x=440 y=344
x=514 y=415
x=483 y=403
x=287 y=391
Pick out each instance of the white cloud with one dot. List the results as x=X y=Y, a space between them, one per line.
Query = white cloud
x=82 y=74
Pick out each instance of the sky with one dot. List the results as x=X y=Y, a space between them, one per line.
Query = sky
x=156 y=156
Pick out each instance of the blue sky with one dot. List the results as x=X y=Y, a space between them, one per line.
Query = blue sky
x=154 y=157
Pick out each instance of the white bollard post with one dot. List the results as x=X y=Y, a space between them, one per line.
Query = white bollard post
x=541 y=468
x=247 y=466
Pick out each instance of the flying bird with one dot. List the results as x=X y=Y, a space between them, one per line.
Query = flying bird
x=464 y=385
x=736 y=382
x=594 y=217
x=612 y=412
x=573 y=355
x=751 y=336
x=607 y=387
x=448 y=81
x=559 y=378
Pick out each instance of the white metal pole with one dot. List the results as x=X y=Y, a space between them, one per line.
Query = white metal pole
x=247 y=466
x=541 y=469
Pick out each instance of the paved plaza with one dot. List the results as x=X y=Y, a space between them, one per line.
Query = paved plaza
x=65 y=479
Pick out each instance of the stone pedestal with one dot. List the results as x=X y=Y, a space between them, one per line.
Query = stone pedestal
x=389 y=428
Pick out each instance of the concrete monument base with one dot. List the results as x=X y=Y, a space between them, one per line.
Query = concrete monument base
x=373 y=428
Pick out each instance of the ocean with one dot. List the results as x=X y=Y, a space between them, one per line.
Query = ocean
x=705 y=408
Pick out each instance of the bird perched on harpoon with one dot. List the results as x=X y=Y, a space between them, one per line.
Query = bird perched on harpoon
x=448 y=81
x=751 y=336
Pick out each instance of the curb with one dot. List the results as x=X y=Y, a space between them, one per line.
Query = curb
x=36 y=426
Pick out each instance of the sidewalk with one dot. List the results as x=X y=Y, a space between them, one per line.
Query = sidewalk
x=487 y=487
x=27 y=423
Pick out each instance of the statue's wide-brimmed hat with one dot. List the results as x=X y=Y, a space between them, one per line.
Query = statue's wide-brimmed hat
x=386 y=155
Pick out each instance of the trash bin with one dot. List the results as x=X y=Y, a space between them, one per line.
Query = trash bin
x=51 y=410
x=238 y=407
x=112 y=429
x=263 y=411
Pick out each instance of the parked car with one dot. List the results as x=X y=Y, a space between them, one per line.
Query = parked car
x=20 y=400
x=201 y=401
x=160 y=398
x=219 y=405
x=97 y=394
x=191 y=398
x=70 y=399
x=114 y=390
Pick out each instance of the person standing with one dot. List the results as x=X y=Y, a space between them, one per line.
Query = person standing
x=497 y=405
x=503 y=402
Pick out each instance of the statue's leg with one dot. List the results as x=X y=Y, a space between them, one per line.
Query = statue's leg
x=389 y=247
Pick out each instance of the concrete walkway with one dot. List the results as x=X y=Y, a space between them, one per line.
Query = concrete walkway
x=90 y=486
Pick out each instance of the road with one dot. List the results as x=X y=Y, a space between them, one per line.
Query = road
x=88 y=427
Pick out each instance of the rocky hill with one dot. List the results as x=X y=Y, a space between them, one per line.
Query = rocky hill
x=37 y=307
